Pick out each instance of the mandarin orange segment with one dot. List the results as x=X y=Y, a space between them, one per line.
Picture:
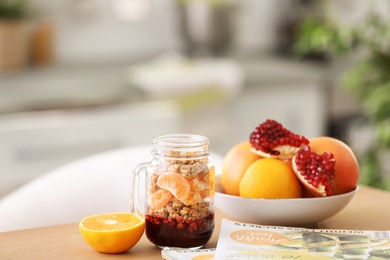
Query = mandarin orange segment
x=212 y=174
x=192 y=199
x=205 y=193
x=176 y=183
x=197 y=183
x=209 y=179
x=160 y=198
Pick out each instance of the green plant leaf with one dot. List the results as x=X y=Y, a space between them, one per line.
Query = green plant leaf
x=318 y=34
x=13 y=9
x=377 y=102
x=383 y=132
x=370 y=172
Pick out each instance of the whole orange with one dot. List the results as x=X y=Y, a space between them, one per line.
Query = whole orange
x=235 y=163
x=270 y=178
x=347 y=168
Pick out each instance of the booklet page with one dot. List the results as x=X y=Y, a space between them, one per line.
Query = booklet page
x=241 y=241
x=244 y=241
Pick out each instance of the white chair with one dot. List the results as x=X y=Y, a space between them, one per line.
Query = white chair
x=96 y=184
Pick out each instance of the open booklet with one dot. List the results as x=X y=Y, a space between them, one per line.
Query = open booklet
x=241 y=241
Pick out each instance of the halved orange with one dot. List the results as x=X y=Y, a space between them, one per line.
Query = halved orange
x=112 y=232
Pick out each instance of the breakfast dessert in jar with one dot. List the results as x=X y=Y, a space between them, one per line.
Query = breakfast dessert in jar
x=180 y=199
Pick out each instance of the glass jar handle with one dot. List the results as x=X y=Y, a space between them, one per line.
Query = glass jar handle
x=140 y=168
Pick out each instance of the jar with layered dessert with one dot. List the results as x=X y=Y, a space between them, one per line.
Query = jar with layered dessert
x=179 y=191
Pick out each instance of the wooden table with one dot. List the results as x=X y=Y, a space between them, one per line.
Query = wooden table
x=368 y=210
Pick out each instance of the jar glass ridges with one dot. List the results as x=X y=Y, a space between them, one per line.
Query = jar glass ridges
x=180 y=189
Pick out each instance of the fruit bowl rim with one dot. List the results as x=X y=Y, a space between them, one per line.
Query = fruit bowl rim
x=291 y=199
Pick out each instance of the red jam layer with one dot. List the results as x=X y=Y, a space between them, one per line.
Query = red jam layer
x=178 y=232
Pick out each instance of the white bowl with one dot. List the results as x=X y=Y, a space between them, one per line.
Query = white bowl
x=302 y=212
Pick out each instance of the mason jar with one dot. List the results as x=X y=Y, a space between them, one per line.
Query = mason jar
x=179 y=191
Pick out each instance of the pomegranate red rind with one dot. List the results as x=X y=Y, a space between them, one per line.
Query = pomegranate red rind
x=271 y=139
x=316 y=172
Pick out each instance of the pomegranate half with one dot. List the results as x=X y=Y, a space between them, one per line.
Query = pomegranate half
x=272 y=139
x=315 y=171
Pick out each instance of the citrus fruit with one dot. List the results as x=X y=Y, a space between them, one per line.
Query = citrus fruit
x=272 y=139
x=112 y=232
x=194 y=198
x=176 y=183
x=270 y=178
x=346 y=175
x=315 y=171
x=197 y=183
x=235 y=163
x=159 y=199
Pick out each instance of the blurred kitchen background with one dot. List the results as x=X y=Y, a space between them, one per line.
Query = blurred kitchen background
x=78 y=77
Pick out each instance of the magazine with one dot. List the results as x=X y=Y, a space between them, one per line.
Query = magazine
x=241 y=241
x=198 y=254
